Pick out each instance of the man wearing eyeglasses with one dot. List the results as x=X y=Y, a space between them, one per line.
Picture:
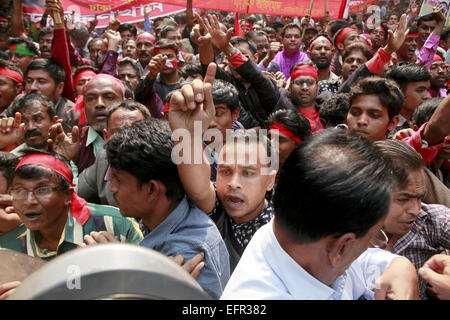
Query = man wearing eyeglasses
x=303 y=92
x=54 y=219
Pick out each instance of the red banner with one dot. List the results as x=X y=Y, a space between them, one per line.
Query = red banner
x=133 y=10
x=357 y=6
x=85 y=11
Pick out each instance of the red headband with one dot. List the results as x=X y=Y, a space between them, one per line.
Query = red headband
x=84 y=73
x=284 y=131
x=166 y=107
x=247 y=23
x=367 y=40
x=151 y=39
x=77 y=205
x=158 y=49
x=79 y=100
x=305 y=70
x=317 y=39
x=437 y=58
x=113 y=79
x=381 y=27
x=13 y=75
x=343 y=34
x=412 y=35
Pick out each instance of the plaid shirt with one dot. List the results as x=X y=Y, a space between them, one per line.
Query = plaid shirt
x=428 y=235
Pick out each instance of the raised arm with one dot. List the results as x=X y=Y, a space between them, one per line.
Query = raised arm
x=17 y=27
x=438 y=126
x=430 y=46
x=60 y=49
x=190 y=113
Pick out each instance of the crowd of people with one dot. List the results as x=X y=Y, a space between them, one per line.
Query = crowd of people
x=270 y=157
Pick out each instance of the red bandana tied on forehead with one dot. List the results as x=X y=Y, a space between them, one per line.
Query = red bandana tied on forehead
x=143 y=36
x=317 y=39
x=82 y=74
x=306 y=71
x=11 y=74
x=78 y=207
x=341 y=37
x=437 y=58
x=284 y=131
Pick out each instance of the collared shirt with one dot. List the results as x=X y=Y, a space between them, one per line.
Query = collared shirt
x=105 y=218
x=266 y=271
x=286 y=62
x=429 y=234
x=96 y=140
x=428 y=50
x=188 y=231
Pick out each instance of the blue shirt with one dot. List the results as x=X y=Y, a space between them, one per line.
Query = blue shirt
x=187 y=231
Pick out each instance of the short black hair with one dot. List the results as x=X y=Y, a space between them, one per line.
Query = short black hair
x=133 y=63
x=31 y=171
x=27 y=42
x=236 y=40
x=290 y=26
x=336 y=25
x=144 y=150
x=92 y=41
x=80 y=31
x=25 y=101
x=292 y=120
x=8 y=163
x=224 y=92
x=268 y=30
x=425 y=18
x=167 y=29
x=127 y=27
x=405 y=73
x=191 y=69
x=358 y=46
x=129 y=105
x=390 y=95
x=7 y=64
x=425 y=110
x=54 y=70
x=335 y=110
x=333 y=183
x=44 y=31
x=404 y=159
x=445 y=34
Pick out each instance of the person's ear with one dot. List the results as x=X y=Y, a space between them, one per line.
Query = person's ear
x=56 y=120
x=340 y=47
x=339 y=249
x=68 y=195
x=60 y=88
x=235 y=114
x=393 y=123
x=105 y=135
x=154 y=189
x=19 y=89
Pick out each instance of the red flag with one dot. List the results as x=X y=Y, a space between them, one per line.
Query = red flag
x=237 y=26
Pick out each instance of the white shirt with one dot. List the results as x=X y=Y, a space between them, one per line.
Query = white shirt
x=266 y=271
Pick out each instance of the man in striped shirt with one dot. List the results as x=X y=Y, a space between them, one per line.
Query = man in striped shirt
x=414 y=229
x=54 y=219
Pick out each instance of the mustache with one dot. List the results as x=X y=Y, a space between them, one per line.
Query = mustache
x=32 y=133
